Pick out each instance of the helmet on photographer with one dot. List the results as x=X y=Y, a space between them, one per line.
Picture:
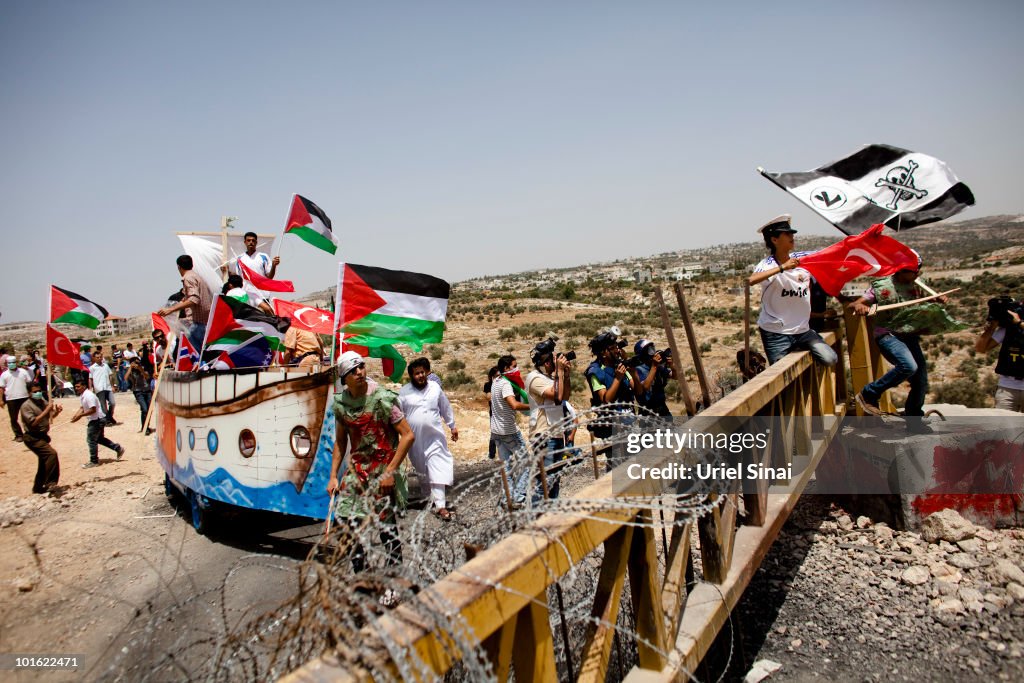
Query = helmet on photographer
x=602 y=341
x=644 y=348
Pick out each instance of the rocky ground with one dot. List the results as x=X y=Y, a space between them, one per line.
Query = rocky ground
x=842 y=598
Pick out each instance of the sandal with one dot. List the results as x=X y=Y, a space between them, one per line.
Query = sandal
x=443 y=513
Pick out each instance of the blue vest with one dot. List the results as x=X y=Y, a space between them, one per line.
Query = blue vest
x=606 y=376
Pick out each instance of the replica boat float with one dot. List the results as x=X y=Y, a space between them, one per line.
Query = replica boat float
x=254 y=439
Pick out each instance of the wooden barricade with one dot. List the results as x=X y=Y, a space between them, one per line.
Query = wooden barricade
x=675 y=624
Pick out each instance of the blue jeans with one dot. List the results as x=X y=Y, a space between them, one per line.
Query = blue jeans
x=554 y=453
x=908 y=362
x=777 y=345
x=507 y=445
x=106 y=398
x=94 y=437
x=143 y=398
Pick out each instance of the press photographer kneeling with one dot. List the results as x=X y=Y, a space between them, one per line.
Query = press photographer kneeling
x=1004 y=326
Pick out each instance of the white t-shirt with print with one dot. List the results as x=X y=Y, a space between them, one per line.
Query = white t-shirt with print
x=785 y=298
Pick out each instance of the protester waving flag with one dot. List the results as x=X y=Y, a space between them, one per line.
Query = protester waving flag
x=869 y=253
x=308 y=222
x=879 y=184
x=68 y=307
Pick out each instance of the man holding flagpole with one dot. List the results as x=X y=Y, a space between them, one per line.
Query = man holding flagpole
x=784 y=321
x=901 y=348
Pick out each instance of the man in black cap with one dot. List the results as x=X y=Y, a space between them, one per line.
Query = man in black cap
x=786 y=297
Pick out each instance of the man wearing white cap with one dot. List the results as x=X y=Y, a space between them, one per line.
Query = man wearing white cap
x=784 y=321
x=371 y=426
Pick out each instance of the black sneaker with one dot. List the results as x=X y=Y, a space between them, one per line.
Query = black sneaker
x=917 y=425
x=91 y=463
x=120 y=452
x=19 y=439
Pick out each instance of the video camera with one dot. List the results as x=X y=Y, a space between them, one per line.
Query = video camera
x=999 y=309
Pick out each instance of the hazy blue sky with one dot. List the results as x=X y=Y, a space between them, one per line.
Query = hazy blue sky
x=466 y=138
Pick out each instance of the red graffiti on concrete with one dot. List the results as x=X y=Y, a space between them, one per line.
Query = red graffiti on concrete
x=986 y=479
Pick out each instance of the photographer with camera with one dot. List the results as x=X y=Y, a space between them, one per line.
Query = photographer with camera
x=1004 y=328
x=610 y=379
x=653 y=370
x=548 y=386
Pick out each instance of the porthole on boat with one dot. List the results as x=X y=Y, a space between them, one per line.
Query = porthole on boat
x=212 y=442
x=191 y=439
x=301 y=442
x=247 y=443
x=177 y=439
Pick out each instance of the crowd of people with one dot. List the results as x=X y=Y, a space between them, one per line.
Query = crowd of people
x=384 y=427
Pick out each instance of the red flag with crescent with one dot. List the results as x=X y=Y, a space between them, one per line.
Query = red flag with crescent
x=160 y=324
x=62 y=351
x=869 y=253
x=305 y=317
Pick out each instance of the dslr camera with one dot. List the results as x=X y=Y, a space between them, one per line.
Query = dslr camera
x=999 y=309
x=548 y=346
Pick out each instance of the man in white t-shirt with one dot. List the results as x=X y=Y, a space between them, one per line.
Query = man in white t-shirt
x=784 y=321
x=1005 y=329
x=508 y=440
x=258 y=262
x=14 y=382
x=94 y=436
x=100 y=383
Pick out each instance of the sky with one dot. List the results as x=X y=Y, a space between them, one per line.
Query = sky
x=464 y=139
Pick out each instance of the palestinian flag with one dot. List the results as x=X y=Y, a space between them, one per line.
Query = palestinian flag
x=68 y=307
x=382 y=306
x=241 y=336
x=308 y=222
x=392 y=362
x=518 y=385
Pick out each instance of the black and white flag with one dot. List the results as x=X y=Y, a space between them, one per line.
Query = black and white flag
x=879 y=184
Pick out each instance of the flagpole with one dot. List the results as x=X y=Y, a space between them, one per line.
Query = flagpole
x=338 y=311
x=284 y=230
x=49 y=365
x=159 y=379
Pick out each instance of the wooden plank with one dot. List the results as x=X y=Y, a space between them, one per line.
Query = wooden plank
x=691 y=338
x=673 y=590
x=717 y=531
x=646 y=590
x=498 y=648
x=533 y=657
x=597 y=647
x=677 y=364
x=756 y=501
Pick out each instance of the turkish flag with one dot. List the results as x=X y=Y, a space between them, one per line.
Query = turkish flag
x=160 y=324
x=869 y=253
x=305 y=317
x=62 y=351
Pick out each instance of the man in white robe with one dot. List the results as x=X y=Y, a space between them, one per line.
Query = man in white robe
x=427 y=409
